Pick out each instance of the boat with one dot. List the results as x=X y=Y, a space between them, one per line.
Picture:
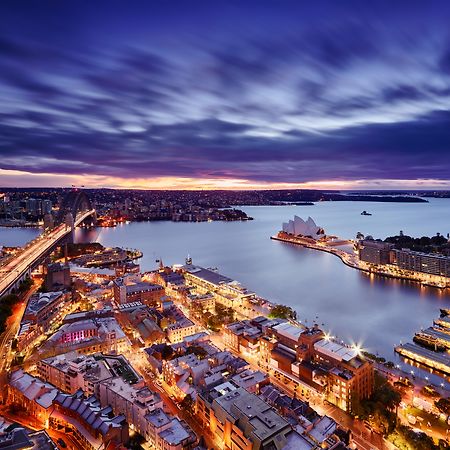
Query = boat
x=445 y=312
x=365 y=213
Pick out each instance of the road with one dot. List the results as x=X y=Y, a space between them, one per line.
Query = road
x=16 y=266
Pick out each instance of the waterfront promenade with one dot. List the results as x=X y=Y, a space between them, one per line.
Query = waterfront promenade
x=352 y=260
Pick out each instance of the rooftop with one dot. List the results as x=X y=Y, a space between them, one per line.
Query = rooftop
x=158 y=418
x=243 y=327
x=142 y=286
x=437 y=334
x=207 y=274
x=323 y=429
x=42 y=441
x=33 y=388
x=183 y=323
x=135 y=393
x=249 y=378
x=176 y=433
x=104 y=326
x=335 y=350
x=92 y=270
x=243 y=407
x=87 y=411
x=41 y=300
x=288 y=330
x=15 y=439
x=442 y=358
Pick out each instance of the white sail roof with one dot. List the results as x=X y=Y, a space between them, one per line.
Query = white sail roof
x=300 y=227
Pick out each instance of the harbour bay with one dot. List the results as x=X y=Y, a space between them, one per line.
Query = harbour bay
x=373 y=311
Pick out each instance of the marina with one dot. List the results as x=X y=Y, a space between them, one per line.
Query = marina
x=431 y=347
x=434 y=337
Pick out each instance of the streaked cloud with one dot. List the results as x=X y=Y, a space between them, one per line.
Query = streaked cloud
x=231 y=96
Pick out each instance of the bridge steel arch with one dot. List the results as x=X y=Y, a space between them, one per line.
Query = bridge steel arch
x=74 y=201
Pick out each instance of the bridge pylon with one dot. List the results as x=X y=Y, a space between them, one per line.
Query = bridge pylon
x=70 y=222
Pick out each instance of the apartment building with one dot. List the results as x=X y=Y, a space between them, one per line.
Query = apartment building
x=73 y=371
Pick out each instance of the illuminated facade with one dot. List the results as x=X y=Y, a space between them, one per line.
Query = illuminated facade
x=241 y=420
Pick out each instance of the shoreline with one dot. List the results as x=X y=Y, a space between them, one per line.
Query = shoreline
x=348 y=262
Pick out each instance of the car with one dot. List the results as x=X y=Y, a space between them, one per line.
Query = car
x=61 y=442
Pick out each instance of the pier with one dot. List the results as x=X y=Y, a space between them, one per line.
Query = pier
x=438 y=361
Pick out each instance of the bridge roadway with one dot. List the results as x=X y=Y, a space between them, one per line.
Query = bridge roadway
x=15 y=268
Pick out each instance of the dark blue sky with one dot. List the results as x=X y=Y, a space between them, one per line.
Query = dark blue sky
x=225 y=94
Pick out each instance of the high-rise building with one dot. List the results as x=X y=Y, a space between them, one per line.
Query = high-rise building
x=46 y=207
x=32 y=206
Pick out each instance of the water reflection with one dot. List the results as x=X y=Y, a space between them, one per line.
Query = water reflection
x=376 y=311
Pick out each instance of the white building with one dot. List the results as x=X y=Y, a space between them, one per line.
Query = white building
x=300 y=227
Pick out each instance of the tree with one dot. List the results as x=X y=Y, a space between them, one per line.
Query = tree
x=6 y=304
x=187 y=404
x=25 y=285
x=282 y=312
x=200 y=352
x=166 y=352
x=443 y=405
x=419 y=440
x=382 y=404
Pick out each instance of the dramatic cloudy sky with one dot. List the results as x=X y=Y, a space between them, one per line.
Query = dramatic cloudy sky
x=234 y=94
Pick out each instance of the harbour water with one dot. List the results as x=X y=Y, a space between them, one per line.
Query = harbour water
x=376 y=312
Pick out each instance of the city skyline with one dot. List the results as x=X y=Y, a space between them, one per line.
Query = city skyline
x=225 y=96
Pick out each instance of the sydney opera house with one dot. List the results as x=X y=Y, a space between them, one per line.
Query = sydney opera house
x=299 y=227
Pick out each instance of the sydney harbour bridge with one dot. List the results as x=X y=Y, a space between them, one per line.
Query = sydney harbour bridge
x=74 y=210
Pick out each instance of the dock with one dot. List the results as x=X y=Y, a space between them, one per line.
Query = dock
x=438 y=361
x=443 y=322
x=434 y=336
